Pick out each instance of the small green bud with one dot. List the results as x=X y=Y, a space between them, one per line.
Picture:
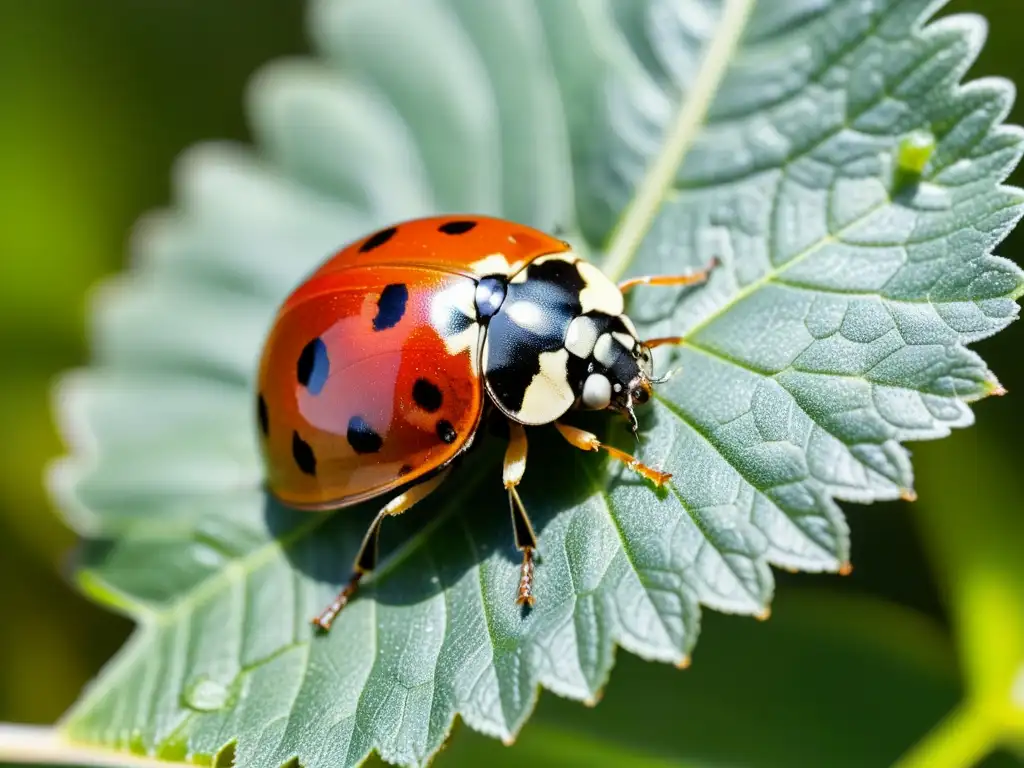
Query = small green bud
x=915 y=151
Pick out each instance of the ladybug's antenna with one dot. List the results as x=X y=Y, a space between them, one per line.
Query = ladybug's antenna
x=662 y=379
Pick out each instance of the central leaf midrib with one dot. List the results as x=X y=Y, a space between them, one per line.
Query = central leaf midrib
x=639 y=214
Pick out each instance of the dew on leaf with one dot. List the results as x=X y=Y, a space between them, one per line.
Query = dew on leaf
x=205 y=695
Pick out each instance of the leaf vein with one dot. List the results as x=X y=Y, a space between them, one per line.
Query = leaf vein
x=609 y=507
x=639 y=214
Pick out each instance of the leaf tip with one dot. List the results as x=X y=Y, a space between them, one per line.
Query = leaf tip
x=684 y=662
x=225 y=756
x=994 y=388
x=846 y=568
x=594 y=699
x=764 y=615
x=908 y=494
x=508 y=739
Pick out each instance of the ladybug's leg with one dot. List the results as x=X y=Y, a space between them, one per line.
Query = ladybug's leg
x=526 y=539
x=587 y=441
x=662 y=341
x=689 y=278
x=366 y=560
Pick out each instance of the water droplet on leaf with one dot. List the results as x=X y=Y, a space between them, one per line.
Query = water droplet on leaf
x=205 y=695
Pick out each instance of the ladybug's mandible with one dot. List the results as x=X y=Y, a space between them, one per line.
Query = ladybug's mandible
x=379 y=368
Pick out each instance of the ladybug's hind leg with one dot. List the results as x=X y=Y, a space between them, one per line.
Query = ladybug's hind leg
x=366 y=560
x=526 y=539
x=587 y=441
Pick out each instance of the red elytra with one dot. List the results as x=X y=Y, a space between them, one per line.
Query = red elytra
x=362 y=322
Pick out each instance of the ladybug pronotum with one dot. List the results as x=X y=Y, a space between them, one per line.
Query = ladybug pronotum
x=380 y=367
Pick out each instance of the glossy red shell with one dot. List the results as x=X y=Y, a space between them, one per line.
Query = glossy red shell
x=370 y=378
x=459 y=249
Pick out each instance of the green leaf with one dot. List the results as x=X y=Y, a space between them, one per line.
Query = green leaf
x=770 y=136
x=819 y=664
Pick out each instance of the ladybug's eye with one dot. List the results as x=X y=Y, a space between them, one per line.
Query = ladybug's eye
x=641 y=395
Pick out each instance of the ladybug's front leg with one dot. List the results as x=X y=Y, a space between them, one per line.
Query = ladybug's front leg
x=587 y=441
x=366 y=560
x=526 y=539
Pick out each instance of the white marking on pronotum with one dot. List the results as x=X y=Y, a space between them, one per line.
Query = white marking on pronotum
x=600 y=293
x=548 y=395
x=624 y=319
x=528 y=315
x=625 y=340
x=604 y=350
x=581 y=337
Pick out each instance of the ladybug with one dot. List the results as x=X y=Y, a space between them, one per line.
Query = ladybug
x=380 y=367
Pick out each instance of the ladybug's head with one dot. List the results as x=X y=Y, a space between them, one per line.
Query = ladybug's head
x=625 y=379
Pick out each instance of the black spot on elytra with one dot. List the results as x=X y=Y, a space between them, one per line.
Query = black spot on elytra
x=313 y=366
x=362 y=437
x=261 y=409
x=427 y=395
x=390 y=306
x=456 y=227
x=377 y=240
x=405 y=469
x=446 y=432
x=303 y=455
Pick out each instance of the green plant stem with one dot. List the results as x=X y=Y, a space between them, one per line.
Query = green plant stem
x=636 y=220
x=43 y=745
x=961 y=739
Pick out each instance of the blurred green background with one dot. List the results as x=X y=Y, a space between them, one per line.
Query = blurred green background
x=97 y=100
